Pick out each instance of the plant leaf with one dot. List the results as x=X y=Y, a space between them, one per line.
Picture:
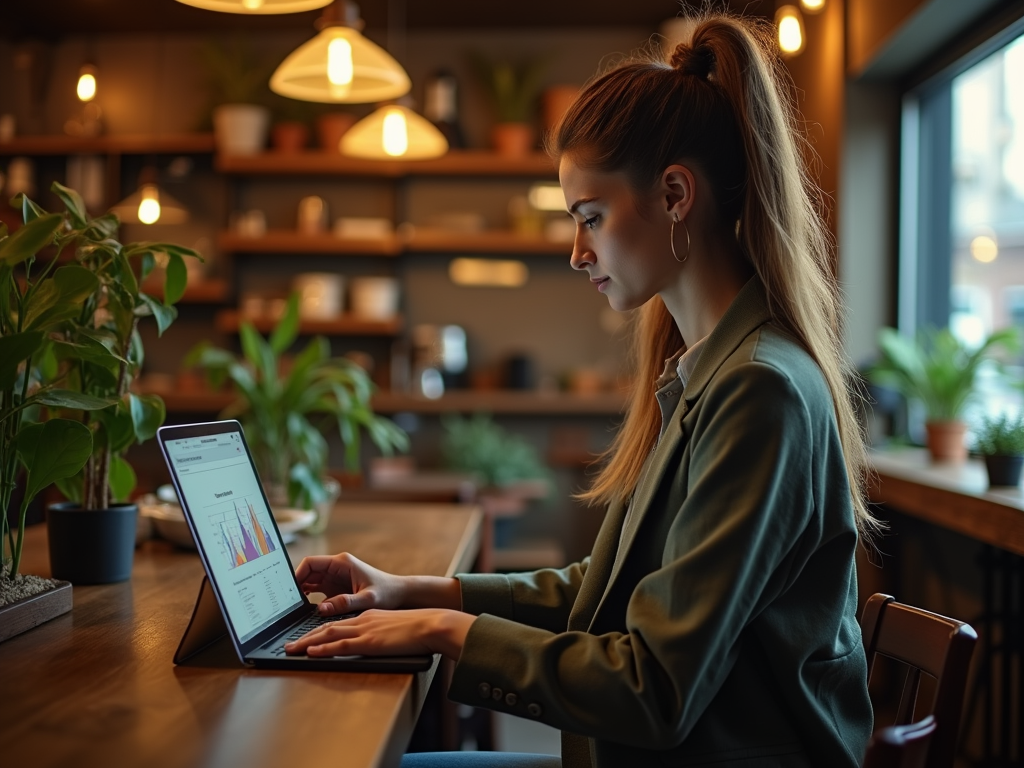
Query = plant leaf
x=287 y=330
x=69 y=398
x=122 y=479
x=73 y=202
x=176 y=279
x=14 y=349
x=60 y=297
x=148 y=413
x=162 y=313
x=51 y=451
x=30 y=238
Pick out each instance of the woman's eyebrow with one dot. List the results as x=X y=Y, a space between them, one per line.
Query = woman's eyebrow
x=581 y=201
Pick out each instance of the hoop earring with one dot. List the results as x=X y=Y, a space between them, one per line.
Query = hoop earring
x=672 y=240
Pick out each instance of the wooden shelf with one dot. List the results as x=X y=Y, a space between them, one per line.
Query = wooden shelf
x=290 y=241
x=212 y=291
x=228 y=321
x=417 y=240
x=498 y=402
x=510 y=402
x=455 y=163
x=124 y=144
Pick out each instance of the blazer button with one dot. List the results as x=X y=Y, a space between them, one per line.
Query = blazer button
x=497 y=693
x=484 y=689
x=534 y=709
x=511 y=699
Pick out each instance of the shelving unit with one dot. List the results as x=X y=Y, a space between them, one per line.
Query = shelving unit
x=229 y=320
x=123 y=144
x=207 y=291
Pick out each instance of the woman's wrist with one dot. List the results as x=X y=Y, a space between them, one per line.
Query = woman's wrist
x=447 y=632
x=432 y=592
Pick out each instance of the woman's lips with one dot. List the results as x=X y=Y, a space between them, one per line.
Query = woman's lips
x=600 y=282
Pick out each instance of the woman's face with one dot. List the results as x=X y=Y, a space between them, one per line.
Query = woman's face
x=622 y=241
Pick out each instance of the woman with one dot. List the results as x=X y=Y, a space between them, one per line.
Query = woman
x=714 y=622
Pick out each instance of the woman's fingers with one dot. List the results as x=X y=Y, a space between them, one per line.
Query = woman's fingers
x=382 y=633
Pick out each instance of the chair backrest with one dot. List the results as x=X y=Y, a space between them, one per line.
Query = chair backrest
x=926 y=642
x=900 y=746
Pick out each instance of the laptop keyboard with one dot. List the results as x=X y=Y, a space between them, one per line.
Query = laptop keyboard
x=302 y=628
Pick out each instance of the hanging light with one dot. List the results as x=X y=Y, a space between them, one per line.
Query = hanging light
x=86 y=82
x=813 y=6
x=789 y=27
x=149 y=204
x=339 y=65
x=257 y=6
x=394 y=132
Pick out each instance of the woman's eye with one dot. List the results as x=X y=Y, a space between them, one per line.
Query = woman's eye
x=591 y=222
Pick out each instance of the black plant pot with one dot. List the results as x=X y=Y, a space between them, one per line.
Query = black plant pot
x=95 y=546
x=1004 y=470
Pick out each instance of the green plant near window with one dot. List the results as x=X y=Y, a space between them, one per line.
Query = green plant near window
x=70 y=304
x=481 y=447
x=282 y=404
x=937 y=368
x=1001 y=436
x=512 y=89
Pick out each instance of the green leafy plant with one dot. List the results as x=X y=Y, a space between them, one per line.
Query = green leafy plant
x=937 y=368
x=1001 y=436
x=513 y=89
x=282 y=403
x=236 y=74
x=479 y=446
x=69 y=345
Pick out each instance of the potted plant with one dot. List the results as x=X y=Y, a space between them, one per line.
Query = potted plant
x=68 y=343
x=1001 y=441
x=940 y=371
x=238 y=84
x=513 y=91
x=281 y=404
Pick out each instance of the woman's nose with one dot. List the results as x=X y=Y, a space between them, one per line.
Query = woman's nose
x=582 y=255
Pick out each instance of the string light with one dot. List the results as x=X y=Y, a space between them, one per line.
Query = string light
x=790 y=29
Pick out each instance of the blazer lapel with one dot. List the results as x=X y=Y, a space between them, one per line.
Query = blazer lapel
x=596 y=578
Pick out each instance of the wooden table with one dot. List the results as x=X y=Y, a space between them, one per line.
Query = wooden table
x=96 y=686
x=954 y=496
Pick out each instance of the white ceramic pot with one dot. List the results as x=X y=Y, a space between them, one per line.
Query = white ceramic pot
x=374 y=298
x=241 y=129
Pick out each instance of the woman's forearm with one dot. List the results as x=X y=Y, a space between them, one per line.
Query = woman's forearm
x=432 y=592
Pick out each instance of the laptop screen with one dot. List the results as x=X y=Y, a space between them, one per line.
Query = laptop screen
x=244 y=553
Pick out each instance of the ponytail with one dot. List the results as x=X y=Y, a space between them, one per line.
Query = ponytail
x=723 y=101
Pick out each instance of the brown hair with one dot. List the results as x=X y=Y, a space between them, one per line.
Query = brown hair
x=723 y=102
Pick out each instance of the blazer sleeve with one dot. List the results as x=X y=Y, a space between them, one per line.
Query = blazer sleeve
x=747 y=503
x=540 y=599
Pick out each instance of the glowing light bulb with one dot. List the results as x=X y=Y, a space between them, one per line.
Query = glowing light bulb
x=812 y=6
x=252 y=5
x=790 y=30
x=395 y=134
x=149 y=207
x=984 y=249
x=87 y=83
x=339 y=66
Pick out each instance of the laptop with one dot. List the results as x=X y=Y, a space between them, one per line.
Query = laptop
x=248 y=571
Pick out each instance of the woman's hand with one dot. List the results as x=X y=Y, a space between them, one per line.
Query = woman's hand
x=389 y=633
x=351 y=585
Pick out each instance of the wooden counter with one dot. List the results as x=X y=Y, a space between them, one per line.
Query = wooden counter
x=96 y=686
x=955 y=496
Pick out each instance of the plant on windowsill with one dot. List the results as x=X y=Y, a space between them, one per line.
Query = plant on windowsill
x=283 y=403
x=69 y=349
x=1000 y=441
x=940 y=371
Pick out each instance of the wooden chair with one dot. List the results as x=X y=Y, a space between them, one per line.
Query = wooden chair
x=900 y=746
x=924 y=642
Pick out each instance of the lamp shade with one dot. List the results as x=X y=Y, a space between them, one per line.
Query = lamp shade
x=257 y=6
x=394 y=132
x=150 y=205
x=340 y=66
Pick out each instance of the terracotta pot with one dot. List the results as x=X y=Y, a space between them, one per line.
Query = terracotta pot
x=554 y=103
x=513 y=139
x=289 y=136
x=331 y=127
x=946 y=440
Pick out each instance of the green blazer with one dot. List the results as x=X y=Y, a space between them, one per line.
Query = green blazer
x=715 y=624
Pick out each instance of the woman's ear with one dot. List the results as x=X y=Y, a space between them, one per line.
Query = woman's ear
x=678 y=190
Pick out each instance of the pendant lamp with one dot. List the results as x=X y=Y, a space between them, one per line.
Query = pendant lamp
x=257 y=6
x=339 y=65
x=149 y=204
x=394 y=132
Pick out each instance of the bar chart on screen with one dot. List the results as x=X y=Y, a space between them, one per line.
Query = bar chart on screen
x=244 y=536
